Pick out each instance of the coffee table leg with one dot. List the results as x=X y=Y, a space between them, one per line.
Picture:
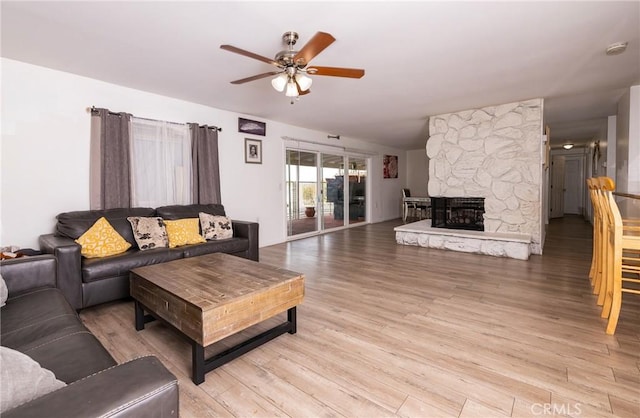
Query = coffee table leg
x=291 y=317
x=197 y=360
x=200 y=365
x=139 y=316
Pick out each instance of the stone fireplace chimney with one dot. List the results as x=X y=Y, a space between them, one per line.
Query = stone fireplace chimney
x=496 y=153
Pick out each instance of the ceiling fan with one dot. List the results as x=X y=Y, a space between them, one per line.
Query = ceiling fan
x=293 y=66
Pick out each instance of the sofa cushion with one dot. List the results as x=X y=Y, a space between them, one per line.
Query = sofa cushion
x=23 y=379
x=74 y=224
x=149 y=232
x=189 y=211
x=37 y=316
x=119 y=265
x=42 y=325
x=215 y=227
x=229 y=246
x=183 y=232
x=101 y=240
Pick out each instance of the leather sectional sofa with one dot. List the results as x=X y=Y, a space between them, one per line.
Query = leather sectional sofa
x=39 y=322
x=90 y=281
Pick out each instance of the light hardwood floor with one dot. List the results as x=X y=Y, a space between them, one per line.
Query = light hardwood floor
x=388 y=330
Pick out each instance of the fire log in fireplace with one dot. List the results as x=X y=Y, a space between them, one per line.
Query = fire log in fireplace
x=458 y=213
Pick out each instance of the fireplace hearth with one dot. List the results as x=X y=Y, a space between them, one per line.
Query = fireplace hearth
x=458 y=213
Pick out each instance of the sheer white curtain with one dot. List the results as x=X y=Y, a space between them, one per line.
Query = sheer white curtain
x=160 y=163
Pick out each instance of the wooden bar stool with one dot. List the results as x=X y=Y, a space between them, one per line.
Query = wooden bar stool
x=595 y=272
x=601 y=222
x=622 y=262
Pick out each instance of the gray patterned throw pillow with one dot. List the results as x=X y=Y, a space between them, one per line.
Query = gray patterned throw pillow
x=149 y=232
x=215 y=227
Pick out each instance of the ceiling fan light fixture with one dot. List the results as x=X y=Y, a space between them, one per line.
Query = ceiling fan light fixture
x=292 y=90
x=567 y=146
x=303 y=81
x=280 y=82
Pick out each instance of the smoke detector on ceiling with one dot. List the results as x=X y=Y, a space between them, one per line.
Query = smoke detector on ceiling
x=617 y=48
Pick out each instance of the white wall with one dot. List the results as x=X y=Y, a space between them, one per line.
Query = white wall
x=628 y=150
x=417 y=171
x=611 y=147
x=45 y=153
x=628 y=142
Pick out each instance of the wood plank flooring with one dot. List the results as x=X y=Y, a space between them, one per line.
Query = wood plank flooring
x=396 y=331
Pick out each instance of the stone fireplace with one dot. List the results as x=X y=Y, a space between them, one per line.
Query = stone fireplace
x=494 y=153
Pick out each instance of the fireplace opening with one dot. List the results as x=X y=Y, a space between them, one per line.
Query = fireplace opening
x=458 y=213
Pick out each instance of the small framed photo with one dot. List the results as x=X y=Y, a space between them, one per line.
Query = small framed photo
x=252 y=151
x=249 y=126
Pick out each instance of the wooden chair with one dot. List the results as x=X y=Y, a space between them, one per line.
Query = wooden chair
x=600 y=187
x=595 y=272
x=621 y=268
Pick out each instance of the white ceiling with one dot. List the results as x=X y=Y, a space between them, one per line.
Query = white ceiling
x=421 y=58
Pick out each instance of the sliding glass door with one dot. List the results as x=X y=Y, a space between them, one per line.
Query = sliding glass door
x=323 y=191
x=357 y=190
x=301 y=178
x=332 y=191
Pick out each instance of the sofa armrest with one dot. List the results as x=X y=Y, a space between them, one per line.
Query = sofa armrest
x=67 y=251
x=249 y=230
x=140 y=388
x=26 y=273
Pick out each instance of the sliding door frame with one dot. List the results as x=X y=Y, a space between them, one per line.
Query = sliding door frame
x=320 y=150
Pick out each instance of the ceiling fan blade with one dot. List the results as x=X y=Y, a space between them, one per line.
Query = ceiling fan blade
x=231 y=48
x=316 y=45
x=336 y=71
x=255 y=77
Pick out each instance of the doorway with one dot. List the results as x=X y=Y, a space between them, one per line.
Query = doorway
x=567 y=185
x=324 y=191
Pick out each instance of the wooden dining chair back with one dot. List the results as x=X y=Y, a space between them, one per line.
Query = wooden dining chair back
x=595 y=272
x=621 y=272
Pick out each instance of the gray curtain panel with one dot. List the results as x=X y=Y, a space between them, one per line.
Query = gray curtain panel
x=205 y=165
x=110 y=156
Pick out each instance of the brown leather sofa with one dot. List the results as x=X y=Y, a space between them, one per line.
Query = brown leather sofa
x=39 y=322
x=87 y=282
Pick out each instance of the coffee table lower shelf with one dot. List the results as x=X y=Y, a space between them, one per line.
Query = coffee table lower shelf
x=200 y=364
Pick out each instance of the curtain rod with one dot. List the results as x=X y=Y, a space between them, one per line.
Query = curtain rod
x=93 y=110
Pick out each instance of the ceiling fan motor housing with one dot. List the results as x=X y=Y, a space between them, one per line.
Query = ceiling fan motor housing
x=285 y=58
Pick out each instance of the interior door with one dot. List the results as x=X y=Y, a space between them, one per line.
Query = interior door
x=573 y=185
x=556 y=204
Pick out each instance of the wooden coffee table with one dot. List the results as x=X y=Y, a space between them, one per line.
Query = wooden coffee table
x=210 y=297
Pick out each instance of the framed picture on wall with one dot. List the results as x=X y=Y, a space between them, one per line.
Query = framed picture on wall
x=249 y=126
x=252 y=151
x=390 y=166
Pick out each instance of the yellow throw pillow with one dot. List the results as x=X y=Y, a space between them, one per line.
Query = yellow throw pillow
x=101 y=240
x=183 y=232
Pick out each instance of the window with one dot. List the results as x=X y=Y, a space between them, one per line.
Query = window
x=161 y=172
